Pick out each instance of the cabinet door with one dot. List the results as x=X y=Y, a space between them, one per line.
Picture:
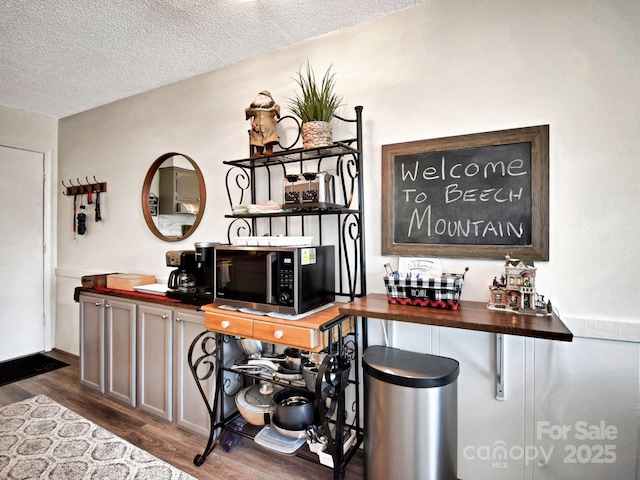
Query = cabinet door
x=92 y=342
x=187 y=186
x=191 y=412
x=155 y=357
x=121 y=350
x=178 y=186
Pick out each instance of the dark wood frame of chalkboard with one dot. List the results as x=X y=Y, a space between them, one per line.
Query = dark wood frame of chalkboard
x=538 y=249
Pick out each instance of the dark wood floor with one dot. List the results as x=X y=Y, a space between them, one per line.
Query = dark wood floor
x=247 y=461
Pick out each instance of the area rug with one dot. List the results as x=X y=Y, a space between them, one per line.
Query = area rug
x=41 y=439
x=29 y=366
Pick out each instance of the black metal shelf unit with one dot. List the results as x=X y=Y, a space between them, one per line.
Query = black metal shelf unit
x=248 y=178
x=340 y=221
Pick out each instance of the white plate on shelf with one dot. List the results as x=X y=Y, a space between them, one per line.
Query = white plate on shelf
x=152 y=288
x=273 y=241
x=289 y=241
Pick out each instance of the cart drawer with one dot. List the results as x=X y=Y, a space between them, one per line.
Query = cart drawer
x=305 y=338
x=229 y=325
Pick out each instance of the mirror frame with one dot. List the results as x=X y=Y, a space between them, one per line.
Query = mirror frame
x=146 y=190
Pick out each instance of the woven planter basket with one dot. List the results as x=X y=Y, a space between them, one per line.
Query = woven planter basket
x=316 y=134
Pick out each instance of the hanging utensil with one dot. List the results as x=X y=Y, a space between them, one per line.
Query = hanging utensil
x=97 y=205
x=82 y=219
x=75 y=208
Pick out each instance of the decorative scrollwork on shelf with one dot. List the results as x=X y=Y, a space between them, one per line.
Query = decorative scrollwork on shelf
x=231 y=381
x=349 y=172
x=242 y=228
x=331 y=383
x=207 y=356
x=333 y=376
x=349 y=349
x=351 y=243
x=298 y=132
x=242 y=180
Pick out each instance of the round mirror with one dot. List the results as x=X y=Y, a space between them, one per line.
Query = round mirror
x=173 y=197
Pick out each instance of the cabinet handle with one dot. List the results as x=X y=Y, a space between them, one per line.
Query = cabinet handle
x=98 y=304
x=164 y=317
x=106 y=305
x=278 y=334
x=178 y=319
x=225 y=324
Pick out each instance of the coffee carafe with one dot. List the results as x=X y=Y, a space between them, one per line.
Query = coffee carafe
x=183 y=278
x=186 y=281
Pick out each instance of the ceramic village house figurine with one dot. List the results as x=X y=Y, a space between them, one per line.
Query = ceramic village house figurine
x=264 y=114
x=515 y=291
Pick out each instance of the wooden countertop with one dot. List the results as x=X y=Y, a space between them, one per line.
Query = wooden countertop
x=142 y=297
x=469 y=316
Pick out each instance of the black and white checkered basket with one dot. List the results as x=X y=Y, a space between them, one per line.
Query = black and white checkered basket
x=443 y=292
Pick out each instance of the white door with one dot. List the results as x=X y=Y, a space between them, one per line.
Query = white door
x=21 y=252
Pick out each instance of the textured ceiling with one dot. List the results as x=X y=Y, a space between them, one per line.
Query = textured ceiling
x=60 y=57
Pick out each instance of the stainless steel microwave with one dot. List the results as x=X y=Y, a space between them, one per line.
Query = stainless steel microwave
x=290 y=280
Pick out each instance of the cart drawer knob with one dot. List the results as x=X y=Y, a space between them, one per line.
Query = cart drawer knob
x=225 y=324
x=278 y=334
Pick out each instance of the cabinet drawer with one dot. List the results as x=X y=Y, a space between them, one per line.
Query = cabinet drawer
x=228 y=324
x=305 y=338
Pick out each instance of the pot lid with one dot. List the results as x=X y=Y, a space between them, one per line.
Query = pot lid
x=259 y=396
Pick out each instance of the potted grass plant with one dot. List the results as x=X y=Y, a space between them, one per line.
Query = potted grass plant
x=315 y=103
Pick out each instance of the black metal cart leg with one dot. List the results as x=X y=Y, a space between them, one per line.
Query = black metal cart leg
x=202 y=368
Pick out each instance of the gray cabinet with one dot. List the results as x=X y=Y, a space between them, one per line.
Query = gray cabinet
x=136 y=353
x=107 y=346
x=120 y=346
x=179 y=191
x=92 y=342
x=155 y=360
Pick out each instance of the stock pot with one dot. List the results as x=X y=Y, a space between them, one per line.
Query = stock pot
x=294 y=409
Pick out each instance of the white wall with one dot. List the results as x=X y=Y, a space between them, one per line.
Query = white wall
x=25 y=129
x=439 y=69
x=38 y=133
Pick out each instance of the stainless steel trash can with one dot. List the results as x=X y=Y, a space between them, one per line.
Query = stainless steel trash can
x=411 y=415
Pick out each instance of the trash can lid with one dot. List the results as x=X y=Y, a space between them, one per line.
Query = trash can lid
x=409 y=369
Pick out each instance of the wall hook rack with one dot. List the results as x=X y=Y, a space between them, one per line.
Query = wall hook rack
x=84 y=188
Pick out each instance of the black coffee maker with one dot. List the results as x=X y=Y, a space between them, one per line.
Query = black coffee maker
x=182 y=280
x=192 y=281
x=205 y=274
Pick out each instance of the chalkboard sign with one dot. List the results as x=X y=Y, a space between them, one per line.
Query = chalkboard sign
x=481 y=196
